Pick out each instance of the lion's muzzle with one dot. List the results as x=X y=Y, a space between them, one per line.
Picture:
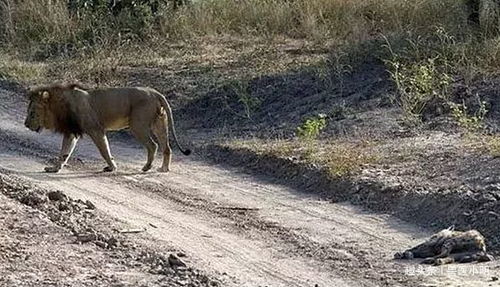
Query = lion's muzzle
x=29 y=123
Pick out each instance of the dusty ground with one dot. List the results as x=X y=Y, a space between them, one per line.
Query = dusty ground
x=37 y=252
x=239 y=229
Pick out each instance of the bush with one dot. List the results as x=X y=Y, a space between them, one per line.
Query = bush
x=419 y=84
x=472 y=122
x=311 y=128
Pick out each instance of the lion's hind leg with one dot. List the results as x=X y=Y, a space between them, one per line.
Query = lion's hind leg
x=160 y=130
x=143 y=135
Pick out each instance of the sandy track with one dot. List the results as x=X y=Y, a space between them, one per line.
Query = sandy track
x=247 y=230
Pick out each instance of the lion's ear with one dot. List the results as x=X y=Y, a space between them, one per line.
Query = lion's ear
x=45 y=95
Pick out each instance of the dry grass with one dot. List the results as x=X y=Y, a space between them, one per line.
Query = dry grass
x=315 y=19
x=25 y=23
x=482 y=144
x=493 y=145
x=19 y=70
x=45 y=30
x=42 y=30
x=47 y=23
x=340 y=158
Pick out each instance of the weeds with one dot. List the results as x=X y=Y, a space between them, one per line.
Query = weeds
x=324 y=73
x=331 y=71
x=340 y=111
x=241 y=90
x=311 y=128
x=418 y=84
x=338 y=158
x=49 y=23
x=493 y=146
x=346 y=160
x=21 y=71
x=472 y=123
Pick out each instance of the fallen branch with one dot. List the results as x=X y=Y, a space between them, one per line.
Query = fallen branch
x=125 y=231
x=237 y=208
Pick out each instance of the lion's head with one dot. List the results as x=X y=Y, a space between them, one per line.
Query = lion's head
x=48 y=109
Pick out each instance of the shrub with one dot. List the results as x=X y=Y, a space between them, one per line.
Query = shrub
x=311 y=127
x=471 y=122
x=418 y=84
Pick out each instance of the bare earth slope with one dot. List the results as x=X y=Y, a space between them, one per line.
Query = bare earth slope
x=247 y=231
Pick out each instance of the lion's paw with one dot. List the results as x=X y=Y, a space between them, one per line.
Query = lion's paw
x=52 y=169
x=109 y=169
x=163 y=169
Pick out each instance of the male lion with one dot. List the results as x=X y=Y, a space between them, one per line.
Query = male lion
x=73 y=111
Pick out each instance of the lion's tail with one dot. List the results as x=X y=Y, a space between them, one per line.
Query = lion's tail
x=164 y=103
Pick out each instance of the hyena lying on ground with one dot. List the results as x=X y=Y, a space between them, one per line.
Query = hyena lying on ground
x=448 y=246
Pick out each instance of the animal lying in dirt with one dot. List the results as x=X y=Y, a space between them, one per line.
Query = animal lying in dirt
x=448 y=246
x=72 y=110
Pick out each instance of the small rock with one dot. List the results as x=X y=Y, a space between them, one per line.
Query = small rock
x=86 y=237
x=174 y=261
x=101 y=244
x=63 y=206
x=112 y=242
x=494 y=278
x=181 y=254
x=33 y=199
x=54 y=216
x=56 y=195
x=89 y=204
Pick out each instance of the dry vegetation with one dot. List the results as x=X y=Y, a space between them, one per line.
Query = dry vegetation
x=47 y=30
x=341 y=158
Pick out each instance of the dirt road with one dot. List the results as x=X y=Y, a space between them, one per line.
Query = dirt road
x=243 y=229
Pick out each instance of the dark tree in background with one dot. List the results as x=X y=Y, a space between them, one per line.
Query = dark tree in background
x=116 y=6
x=473 y=11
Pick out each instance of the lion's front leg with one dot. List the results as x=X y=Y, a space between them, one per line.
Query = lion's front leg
x=68 y=146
